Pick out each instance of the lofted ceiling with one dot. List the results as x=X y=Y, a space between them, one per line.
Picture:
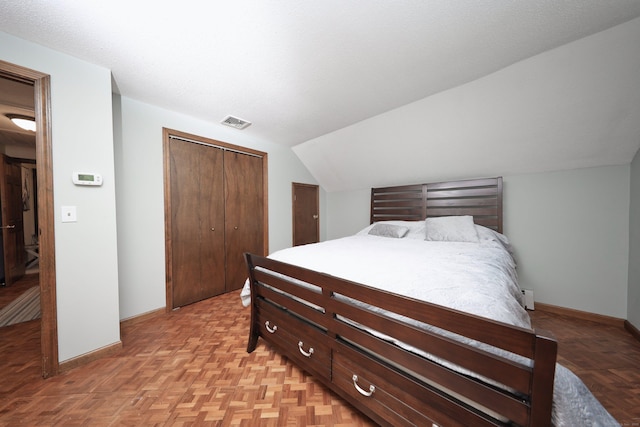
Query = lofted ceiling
x=299 y=70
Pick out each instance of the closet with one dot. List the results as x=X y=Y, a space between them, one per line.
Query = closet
x=215 y=210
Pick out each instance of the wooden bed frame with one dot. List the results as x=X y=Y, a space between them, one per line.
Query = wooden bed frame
x=313 y=326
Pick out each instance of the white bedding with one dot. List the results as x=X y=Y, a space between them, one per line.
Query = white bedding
x=478 y=278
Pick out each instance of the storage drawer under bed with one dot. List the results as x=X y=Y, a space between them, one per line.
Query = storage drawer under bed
x=393 y=395
x=299 y=340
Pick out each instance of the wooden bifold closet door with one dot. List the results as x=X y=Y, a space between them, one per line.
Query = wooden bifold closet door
x=244 y=210
x=216 y=214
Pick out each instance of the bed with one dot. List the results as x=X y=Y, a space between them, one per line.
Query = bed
x=418 y=318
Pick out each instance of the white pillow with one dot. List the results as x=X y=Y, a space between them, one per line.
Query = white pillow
x=451 y=229
x=416 y=228
x=389 y=230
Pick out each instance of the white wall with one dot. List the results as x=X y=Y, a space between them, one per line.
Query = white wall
x=570 y=231
x=572 y=107
x=140 y=197
x=347 y=212
x=536 y=103
x=86 y=251
x=633 y=297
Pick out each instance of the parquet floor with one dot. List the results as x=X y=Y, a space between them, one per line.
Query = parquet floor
x=606 y=358
x=187 y=368
x=191 y=368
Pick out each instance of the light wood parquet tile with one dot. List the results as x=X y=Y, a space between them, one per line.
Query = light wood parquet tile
x=190 y=368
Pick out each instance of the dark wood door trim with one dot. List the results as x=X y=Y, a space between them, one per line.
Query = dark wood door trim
x=44 y=166
x=166 y=137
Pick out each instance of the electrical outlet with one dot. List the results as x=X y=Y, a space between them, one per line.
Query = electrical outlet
x=528 y=299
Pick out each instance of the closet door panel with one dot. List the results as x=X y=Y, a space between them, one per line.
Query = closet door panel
x=196 y=203
x=212 y=256
x=185 y=233
x=244 y=213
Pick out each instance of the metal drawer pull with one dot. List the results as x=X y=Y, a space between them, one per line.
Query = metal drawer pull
x=270 y=330
x=304 y=353
x=363 y=392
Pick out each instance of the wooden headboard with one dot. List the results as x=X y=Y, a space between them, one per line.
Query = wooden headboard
x=480 y=198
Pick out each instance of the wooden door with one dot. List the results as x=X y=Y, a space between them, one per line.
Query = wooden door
x=306 y=217
x=244 y=213
x=197 y=221
x=12 y=222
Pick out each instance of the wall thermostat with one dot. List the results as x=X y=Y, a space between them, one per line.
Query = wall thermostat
x=82 y=178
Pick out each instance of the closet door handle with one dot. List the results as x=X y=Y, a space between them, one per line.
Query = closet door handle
x=315 y=217
x=8 y=227
x=213 y=229
x=235 y=228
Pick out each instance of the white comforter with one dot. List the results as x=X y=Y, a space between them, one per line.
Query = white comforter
x=478 y=278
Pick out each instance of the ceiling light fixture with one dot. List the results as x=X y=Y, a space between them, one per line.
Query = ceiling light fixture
x=23 y=122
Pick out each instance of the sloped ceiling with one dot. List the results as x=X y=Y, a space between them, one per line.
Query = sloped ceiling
x=301 y=71
x=572 y=107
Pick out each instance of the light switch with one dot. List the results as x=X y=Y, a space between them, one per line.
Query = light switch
x=69 y=214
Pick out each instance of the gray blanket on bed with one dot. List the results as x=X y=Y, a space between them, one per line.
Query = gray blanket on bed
x=574 y=405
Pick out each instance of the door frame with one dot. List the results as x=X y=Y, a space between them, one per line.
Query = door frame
x=166 y=140
x=46 y=237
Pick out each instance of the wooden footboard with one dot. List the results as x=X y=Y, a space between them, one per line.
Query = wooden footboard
x=399 y=360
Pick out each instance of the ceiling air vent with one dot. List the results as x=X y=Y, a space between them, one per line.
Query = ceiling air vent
x=235 y=122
